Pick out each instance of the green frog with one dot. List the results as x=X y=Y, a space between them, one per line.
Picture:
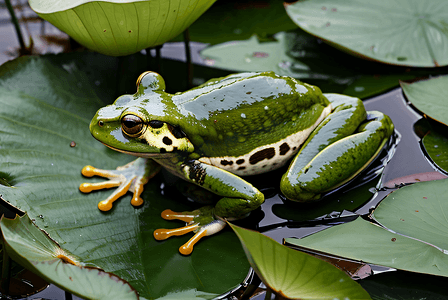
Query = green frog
x=238 y=125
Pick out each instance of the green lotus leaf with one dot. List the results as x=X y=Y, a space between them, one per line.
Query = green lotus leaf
x=402 y=32
x=47 y=103
x=429 y=97
x=294 y=274
x=119 y=27
x=434 y=142
x=436 y=145
x=253 y=55
x=416 y=240
x=418 y=211
x=298 y=54
x=34 y=249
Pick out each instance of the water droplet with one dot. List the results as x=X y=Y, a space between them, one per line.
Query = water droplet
x=97 y=82
x=238 y=31
x=243 y=116
x=359 y=89
x=436 y=146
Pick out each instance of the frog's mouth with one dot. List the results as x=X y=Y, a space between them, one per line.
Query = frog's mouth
x=141 y=154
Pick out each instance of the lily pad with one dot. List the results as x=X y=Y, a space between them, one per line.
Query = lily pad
x=436 y=145
x=293 y=274
x=434 y=142
x=402 y=32
x=417 y=236
x=47 y=103
x=34 y=249
x=300 y=55
x=429 y=97
x=254 y=55
x=118 y=27
x=418 y=211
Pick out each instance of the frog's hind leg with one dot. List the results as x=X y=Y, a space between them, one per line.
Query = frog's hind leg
x=239 y=198
x=337 y=150
x=210 y=227
x=130 y=177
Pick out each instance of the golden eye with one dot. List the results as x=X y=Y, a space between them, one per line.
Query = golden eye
x=132 y=125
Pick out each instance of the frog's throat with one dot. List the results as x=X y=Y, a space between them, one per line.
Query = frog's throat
x=267 y=157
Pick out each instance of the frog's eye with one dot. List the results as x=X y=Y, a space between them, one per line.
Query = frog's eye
x=132 y=125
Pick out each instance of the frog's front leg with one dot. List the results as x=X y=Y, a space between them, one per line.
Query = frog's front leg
x=130 y=177
x=338 y=149
x=239 y=199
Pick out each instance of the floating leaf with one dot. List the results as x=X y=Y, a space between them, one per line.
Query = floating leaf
x=121 y=27
x=436 y=145
x=300 y=55
x=32 y=248
x=416 y=212
x=253 y=55
x=429 y=97
x=294 y=274
x=434 y=141
x=47 y=103
x=402 y=32
x=364 y=241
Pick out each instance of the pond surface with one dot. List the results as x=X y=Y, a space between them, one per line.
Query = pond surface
x=275 y=218
x=272 y=219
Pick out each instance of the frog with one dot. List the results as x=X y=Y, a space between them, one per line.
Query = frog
x=228 y=128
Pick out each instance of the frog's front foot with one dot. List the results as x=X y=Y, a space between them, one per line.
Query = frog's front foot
x=131 y=177
x=202 y=222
